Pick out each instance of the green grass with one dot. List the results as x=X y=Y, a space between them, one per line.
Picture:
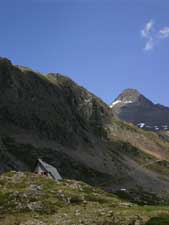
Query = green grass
x=161 y=220
x=29 y=197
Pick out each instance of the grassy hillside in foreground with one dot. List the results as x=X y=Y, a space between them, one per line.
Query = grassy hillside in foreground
x=29 y=199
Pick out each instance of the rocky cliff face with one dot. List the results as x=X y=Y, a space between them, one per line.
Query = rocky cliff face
x=51 y=117
x=133 y=107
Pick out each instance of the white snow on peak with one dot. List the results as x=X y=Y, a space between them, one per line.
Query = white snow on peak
x=114 y=103
x=120 y=101
x=128 y=102
x=165 y=127
x=141 y=125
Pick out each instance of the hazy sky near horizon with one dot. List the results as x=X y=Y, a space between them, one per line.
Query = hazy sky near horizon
x=104 y=45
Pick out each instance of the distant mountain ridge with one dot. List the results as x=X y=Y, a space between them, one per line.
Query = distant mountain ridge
x=134 y=107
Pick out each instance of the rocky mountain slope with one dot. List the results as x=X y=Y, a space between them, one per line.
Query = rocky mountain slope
x=29 y=199
x=133 y=107
x=53 y=118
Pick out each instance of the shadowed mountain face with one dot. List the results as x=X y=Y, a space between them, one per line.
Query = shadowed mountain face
x=133 y=107
x=51 y=117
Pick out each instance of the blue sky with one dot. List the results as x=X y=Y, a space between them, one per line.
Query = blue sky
x=104 y=45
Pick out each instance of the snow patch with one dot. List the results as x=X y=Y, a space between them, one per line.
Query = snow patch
x=165 y=127
x=120 y=101
x=141 y=125
x=123 y=189
x=128 y=102
x=114 y=103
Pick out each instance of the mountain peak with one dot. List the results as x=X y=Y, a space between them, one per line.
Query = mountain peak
x=131 y=91
x=129 y=94
x=134 y=107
